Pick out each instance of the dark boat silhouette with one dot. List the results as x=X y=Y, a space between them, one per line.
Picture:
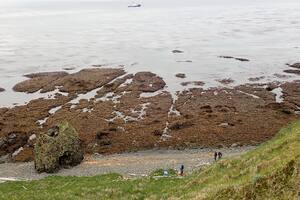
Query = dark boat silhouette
x=134 y=6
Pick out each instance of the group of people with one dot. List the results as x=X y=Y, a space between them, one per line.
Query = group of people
x=218 y=155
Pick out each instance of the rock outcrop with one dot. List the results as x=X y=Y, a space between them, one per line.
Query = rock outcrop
x=2 y=89
x=79 y=82
x=59 y=148
x=295 y=65
x=136 y=112
x=226 y=81
x=177 y=51
x=196 y=83
x=239 y=59
x=180 y=75
x=292 y=71
x=13 y=141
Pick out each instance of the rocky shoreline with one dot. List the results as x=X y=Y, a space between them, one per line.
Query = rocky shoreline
x=133 y=165
x=115 y=112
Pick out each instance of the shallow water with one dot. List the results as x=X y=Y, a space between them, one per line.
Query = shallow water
x=48 y=36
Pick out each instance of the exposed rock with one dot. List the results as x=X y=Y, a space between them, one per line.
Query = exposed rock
x=242 y=59
x=22 y=122
x=98 y=65
x=60 y=147
x=291 y=93
x=133 y=64
x=32 y=137
x=38 y=81
x=23 y=154
x=177 y=125
x=12 y=142
x=2 y=142
x=79 y=82
x=234 y=145
x=226 y=116
x=4 y=159
x=226 y=81
x=197 y=83
x=111 y=87
x=136 y=121
x=185 y=61
x=87 y=80
x=239 y=59
x=12 y=139
x=17 y=151
x=292 y=71
x=146 y=82
x=102 y=137
x=158 y=132
x=177 y=51
x=256 y=78
x=295 y=65
x=227 y=57
x=180 y=75
x=69 y=68
x=2 y=89
x=281 y=75
x=224 y=124
x=283 y=107
x=44 y=74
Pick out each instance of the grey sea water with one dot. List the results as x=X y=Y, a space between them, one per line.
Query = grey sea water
x=48 y=35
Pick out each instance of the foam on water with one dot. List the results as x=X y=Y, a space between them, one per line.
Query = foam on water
x=278 y=95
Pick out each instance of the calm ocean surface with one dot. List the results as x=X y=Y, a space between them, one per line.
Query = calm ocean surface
x=47 y=36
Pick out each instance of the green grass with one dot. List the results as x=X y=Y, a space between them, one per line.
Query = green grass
x=271 y=171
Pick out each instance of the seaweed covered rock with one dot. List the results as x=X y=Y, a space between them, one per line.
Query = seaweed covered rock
x=59 y=148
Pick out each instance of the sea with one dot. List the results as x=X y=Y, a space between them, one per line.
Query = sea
x=47 y=35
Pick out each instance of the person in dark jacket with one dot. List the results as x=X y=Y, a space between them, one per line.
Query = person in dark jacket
x=216 y=156
x=181 y=170
x=220 y=155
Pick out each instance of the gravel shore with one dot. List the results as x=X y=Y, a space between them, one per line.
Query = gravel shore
x=128 y=164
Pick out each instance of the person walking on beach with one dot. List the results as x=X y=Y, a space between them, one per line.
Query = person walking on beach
x=216 y=156
x=181 y=170
x=220 y=155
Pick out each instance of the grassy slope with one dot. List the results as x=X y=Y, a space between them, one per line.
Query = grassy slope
x=272 y=171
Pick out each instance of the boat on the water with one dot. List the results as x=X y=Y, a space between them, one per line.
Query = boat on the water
x=136 y=5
